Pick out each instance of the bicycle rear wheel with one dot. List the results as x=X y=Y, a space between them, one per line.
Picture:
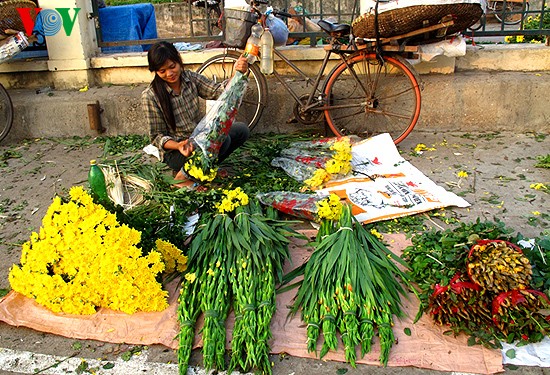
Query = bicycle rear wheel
x=366 y=98
x=6 y=113
x=512 y=13
x=220 y=67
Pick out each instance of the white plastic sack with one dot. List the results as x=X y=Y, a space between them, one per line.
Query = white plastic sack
x=453 y=47
x=237 y=4
x=534 y=354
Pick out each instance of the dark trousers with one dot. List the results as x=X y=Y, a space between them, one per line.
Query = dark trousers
x=238 y=134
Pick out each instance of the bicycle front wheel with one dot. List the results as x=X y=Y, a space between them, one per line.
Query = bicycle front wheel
x=366 y=97
x=6 y=113
x=221 y=67
x=511 y=15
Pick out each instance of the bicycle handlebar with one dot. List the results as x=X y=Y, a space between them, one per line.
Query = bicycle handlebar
x=255 y=3
x=281 y=13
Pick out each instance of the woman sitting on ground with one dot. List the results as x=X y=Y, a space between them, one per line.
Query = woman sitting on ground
x=171 y=105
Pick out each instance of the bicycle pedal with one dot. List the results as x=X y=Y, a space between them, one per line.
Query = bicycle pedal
x=292 y=120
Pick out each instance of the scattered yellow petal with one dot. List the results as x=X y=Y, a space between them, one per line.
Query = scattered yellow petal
x=536 y=213
x=462 y=174
x=537 y=186
x=84 y=89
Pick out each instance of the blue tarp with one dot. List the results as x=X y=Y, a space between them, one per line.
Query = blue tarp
x=127 y=22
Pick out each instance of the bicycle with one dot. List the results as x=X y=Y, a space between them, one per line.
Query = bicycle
x=507 y=12
x=214 y=14
x=10 y=45
x=366 y=92
x=6 y=113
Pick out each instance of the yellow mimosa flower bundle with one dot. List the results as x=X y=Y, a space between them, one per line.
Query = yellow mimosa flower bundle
x=82 y=259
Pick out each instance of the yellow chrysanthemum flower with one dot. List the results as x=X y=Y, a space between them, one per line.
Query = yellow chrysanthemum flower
x=231 y=200
x=172 y=257
x=319 y=178
x=79 y=253
x=194 y=170
x=343 y=149
x=374 y=232
x=329 y=208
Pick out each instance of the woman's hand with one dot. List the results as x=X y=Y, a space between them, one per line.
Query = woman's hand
x=186 y=148
x=241 y=65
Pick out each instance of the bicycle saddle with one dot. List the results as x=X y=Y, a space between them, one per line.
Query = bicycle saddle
x=334 y=28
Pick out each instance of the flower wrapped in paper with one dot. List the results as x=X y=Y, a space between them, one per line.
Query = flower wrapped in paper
x=212 y=131
x=314 y=207
x=316 y=162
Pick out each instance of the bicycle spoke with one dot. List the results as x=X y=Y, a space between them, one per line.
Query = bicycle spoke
x=366 y=97
x=6 y=113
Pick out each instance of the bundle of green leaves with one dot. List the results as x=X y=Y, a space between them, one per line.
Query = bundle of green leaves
x=235 y=258
x=352 y=285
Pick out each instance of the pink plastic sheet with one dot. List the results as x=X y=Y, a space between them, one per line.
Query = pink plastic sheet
x=426 y=347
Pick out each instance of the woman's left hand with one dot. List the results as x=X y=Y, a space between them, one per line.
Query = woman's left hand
x=241 y=65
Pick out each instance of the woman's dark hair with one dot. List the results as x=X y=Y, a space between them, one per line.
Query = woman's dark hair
x=157 y=56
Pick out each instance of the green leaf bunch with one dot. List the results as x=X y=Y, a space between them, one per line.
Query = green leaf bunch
x=352 y=285
x=435 y=256
x=238 y=258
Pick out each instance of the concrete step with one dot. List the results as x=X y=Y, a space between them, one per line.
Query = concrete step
x=465 y=101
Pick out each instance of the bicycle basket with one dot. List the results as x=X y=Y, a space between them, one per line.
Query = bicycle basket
x=397 y=20
x=237 y=25
x=10 y=18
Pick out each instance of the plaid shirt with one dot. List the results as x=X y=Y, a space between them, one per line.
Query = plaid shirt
x=185 y=106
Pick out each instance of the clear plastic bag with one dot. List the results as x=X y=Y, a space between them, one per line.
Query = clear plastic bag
x=316 y=162
x=212 y=130
x=301 y=205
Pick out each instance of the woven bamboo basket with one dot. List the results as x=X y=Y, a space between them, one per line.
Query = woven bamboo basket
x=10 y=18
x=407 y=19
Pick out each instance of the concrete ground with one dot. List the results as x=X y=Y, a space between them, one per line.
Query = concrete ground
x=500 y=166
